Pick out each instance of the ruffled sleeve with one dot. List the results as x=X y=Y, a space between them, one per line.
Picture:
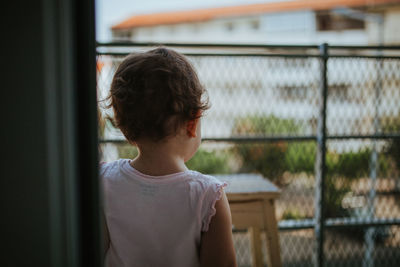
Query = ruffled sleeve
x=102 y=168
x=212 y=195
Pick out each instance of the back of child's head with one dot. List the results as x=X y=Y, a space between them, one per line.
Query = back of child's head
x=154 y=93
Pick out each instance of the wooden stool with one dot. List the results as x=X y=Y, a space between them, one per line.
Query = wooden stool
x=251 y=199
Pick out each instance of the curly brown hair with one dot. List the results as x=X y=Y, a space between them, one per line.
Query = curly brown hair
x=154 y=93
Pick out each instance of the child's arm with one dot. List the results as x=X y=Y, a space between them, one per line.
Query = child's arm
x=216 y=244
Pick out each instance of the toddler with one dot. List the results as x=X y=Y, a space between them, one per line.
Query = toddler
x=157 y=212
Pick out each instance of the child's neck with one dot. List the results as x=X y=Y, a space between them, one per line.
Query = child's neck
x=158 y=161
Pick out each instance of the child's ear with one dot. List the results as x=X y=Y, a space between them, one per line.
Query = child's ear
x=191 y=128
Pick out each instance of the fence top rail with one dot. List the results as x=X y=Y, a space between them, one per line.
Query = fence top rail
x=224 y=54
x=205 y=45
x=231 y=45
x=122 y=54
x=254 y=50
x=366 y=47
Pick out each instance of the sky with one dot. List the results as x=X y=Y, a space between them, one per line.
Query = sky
x=110 y=12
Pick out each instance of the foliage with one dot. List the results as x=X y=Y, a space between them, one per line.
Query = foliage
x=300 y=157
x=126 y=151
x=273 y=159
x=394 y=152
x=265 y=126
x=336 y=188
x=266 y=158
x=292 y=214
x=392 y=125
x=203 y=161
x=209 y=162
x=349 y=164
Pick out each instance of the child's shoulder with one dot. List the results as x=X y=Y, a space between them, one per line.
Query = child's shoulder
x=206 y=181
x=107 y=168
x=206 y=177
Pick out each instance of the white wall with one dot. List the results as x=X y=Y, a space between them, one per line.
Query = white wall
x=276 y=28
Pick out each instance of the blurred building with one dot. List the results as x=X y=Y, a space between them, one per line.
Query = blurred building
x=359 y=22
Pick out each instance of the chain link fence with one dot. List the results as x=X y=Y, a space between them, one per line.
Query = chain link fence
x=321 y=122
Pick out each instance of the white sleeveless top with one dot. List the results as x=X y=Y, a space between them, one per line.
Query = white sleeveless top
x=156 y=220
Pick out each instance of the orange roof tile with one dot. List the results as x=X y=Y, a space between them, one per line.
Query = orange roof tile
x=198 y=15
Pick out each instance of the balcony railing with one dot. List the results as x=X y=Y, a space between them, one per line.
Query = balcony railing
x=322 y=122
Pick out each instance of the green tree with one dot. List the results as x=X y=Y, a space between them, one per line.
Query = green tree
x=267 y=159
x=215 y=162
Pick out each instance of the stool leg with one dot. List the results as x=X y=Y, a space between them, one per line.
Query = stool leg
x=271 y=234
x=256 y=246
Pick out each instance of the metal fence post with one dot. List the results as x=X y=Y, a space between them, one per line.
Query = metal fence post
x=320 y=170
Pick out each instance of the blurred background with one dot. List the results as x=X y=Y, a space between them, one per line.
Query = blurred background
x=290 y=83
